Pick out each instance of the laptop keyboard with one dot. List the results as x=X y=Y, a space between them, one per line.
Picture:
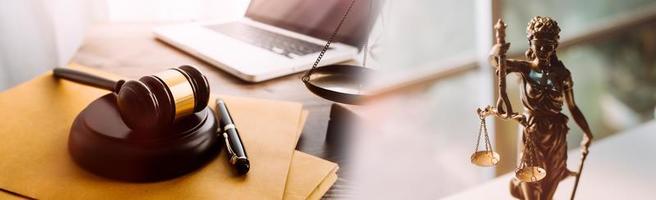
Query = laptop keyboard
x=277 y=43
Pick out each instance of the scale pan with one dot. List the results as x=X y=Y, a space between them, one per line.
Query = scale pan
x=339 y=83
x=485 y=158
x=530 y=174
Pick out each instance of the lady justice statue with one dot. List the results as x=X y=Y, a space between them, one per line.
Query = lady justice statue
x=545 y=86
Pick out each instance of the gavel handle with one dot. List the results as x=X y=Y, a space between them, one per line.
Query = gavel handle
x=85 y=78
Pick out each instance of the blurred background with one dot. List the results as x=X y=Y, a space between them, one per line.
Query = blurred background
x=418 y=137
x=418 y=140
x=38 y=35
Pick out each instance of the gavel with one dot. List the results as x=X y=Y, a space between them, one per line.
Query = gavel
x=153 y=102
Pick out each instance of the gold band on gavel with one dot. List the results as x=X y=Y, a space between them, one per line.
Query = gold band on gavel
x=181 y=90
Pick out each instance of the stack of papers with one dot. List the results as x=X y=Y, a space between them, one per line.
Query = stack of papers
x=34 y=160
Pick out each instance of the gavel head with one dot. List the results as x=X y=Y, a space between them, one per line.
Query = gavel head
x=155 y=102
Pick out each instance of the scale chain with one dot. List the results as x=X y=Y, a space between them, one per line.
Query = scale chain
x=482 y=131
x=306 y=76
x=488 y=145
x=478 y=138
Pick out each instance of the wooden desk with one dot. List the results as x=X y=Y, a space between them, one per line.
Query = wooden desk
x=618 y=167
x=131 y=50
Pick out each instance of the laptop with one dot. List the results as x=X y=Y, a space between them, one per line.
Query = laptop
x=275 y=37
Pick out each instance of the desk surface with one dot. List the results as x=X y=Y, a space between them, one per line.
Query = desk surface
x=618 y=167
x=131 y=50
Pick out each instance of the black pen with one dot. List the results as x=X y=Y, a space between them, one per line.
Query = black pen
x=236 y=151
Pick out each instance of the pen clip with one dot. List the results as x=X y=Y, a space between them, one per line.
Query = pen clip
x=233 y=155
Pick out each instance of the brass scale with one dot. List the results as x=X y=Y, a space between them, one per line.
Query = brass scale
x=338 y=82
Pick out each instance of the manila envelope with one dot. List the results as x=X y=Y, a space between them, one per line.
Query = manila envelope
x=36 y=117
x=309 y=177
x=303 y=182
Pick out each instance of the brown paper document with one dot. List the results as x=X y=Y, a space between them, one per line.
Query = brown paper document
x=308 y=174
x=305 y=175
x=328 y=182
x=300 y=177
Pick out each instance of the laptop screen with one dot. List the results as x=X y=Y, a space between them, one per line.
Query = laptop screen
x=316 y=18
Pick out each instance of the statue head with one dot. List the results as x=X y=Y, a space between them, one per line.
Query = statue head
x=543 y=35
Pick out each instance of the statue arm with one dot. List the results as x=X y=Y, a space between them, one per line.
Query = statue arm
x=503 y=109
x=578 y=116
x=512 y=65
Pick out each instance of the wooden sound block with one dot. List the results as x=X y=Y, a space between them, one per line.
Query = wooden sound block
x=101 y=143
